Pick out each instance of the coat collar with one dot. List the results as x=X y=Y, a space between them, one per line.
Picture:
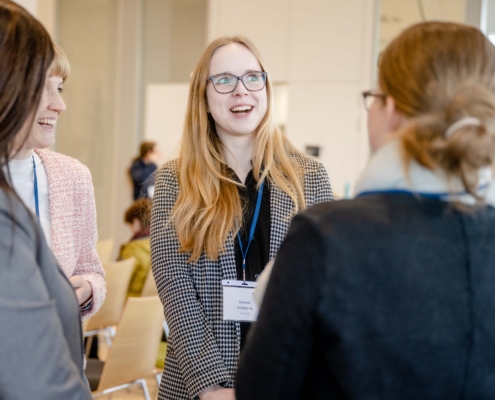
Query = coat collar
x=385 y=173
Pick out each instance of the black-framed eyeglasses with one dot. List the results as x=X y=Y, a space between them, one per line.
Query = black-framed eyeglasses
x=369 y=98
x=226 y=83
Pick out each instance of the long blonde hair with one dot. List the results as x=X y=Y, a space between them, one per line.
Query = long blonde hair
x=209 y=206
x=438 y=73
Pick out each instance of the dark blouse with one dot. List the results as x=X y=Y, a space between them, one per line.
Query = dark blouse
x=259 y=251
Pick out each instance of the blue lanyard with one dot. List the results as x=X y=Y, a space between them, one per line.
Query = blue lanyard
x=36 y=203
x=251 y=232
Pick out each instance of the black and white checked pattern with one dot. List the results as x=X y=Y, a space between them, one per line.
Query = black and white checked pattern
x=203 y=349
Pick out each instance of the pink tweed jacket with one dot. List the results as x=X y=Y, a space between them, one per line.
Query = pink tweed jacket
x=73 y=221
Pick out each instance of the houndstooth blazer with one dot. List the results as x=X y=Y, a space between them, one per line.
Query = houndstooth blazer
x=203 y=349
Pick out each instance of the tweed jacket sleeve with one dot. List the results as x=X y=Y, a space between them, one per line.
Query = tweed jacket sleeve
x=88 y=263
x=194 y=345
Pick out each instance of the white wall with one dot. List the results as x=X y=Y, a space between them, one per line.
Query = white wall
x=164 y=116
x=397 y=15
x=30 y=5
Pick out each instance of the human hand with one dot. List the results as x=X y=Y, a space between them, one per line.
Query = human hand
x=217 y=392
x=81 y=287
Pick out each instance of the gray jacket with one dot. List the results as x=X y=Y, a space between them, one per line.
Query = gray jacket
x=41 y=354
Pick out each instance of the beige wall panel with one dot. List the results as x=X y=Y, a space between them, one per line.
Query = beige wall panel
x=329 y=115
x=188 y=28
x=85 y=130
x=127 y=102
x=47 y=14
x=156 y=33
x=266 y=23
x=326 y=41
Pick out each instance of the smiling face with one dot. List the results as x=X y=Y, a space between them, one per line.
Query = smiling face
x=41 y=134
x=238 y=113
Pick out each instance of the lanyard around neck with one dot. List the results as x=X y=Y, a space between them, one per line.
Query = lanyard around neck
x=251 y=231
x=36 y=202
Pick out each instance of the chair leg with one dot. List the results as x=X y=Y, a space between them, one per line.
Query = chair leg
x=108 y=337
x=145 y=389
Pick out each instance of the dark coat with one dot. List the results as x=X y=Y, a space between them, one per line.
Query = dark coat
x=381 y=297
x=142 y=175
x=41 y=354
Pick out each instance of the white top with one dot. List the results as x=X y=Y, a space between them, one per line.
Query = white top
x=22 y=175
x=385 y=172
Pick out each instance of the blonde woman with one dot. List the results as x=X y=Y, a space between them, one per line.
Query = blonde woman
x=59 y=191
x=391 y=295
x=220 y=212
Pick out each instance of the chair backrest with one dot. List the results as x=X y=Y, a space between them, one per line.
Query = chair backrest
x=149 y=287
x=117 y=275
x=135 y=346
x=104 y=248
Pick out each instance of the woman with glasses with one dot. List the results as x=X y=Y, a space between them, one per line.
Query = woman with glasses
x=391 y=295
x=220 y=212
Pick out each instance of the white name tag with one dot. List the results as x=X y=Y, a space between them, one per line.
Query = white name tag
x=238 y=301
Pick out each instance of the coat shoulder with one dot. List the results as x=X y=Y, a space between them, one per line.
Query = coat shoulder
x=168 y=174
x=65 y=166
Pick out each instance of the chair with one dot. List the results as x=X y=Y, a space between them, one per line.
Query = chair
x=117 y=275
x=149 y=287
x=104 y=248
x=132 y=356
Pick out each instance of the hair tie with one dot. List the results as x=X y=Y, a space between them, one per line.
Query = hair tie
x=466 y=121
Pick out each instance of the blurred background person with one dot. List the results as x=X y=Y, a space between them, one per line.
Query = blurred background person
x=137 y=217
x=220 y=211
x=390 y=295
x=59 y=190
x=41 y=356
x=142 y=170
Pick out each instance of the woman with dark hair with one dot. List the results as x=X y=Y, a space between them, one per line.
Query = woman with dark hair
x=41 y=355
x=142 y=170
x=391 y=295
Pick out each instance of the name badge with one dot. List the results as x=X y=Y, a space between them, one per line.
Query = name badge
x=238 y=301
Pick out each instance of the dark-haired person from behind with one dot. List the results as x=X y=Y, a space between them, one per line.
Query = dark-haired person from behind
x=142 y=170
x=41 y=355
x=391 y=295
x=137 y=217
